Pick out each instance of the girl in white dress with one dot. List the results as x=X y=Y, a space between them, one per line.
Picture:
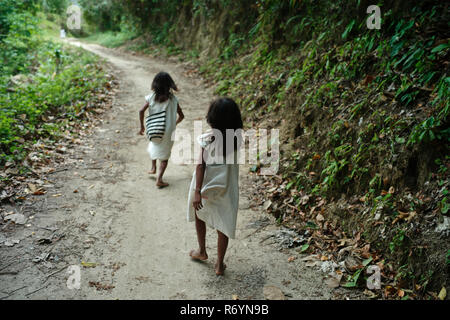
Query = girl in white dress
x=162 y=99
x=214 y=191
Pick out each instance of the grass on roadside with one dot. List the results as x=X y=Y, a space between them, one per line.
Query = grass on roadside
x=42 y=104
x=49 y=28
x=111 y=39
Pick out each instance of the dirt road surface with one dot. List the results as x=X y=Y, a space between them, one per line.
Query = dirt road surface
x=130 y=239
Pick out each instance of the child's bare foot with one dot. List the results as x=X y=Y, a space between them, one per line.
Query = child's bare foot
x=152 y=171
x=196 y=255
x=220 y=269
x=161 y=184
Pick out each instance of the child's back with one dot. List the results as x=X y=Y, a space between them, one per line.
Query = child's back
x=161 y=122
x=220 y=191
x=161 y=149
x=214 y=191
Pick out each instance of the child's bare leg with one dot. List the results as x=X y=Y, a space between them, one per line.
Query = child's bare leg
x=153 y=170
x=222 y=244
x=200 y=254
x=162 y=168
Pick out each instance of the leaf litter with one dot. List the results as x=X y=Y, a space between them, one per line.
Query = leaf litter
x=339 y=255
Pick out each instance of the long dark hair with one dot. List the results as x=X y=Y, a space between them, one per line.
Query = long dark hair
x=161 y=85
x=223 y=114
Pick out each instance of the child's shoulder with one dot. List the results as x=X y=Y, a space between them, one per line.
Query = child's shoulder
x=205 y=139
x=150 y=97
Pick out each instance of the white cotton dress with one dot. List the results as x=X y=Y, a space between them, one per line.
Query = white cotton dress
x=161 y=150
x=220 y=194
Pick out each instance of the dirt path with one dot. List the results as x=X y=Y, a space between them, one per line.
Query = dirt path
x=136 y=234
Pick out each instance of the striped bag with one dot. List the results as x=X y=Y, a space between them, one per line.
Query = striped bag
x=155 y=125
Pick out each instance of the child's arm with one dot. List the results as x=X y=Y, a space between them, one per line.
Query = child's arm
x=141 y=118
x=180 y=114
x=199 y=175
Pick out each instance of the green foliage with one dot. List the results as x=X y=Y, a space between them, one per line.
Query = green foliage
x=352 y=280
x=234 y=42
x=397 y=240
x=16 y=48
x=39 y=80
x=348 y=29
x=334 y=166
x=428 y=131
x=8 y=8
x=160 y=33
x=46 y=94
x=105 y=15
x=444 y=204
x=111 y=39
x=304 y=248
x=55 y=6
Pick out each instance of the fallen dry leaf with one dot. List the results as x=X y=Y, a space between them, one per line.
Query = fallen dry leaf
x=389 y=290
x=267 y=204
x=442 y=294
x=39 y=192
x=305 y=199
x=273 y=293
x=88 y=264
x=17 y=218
x=333 y=281
x=100 y=286
x=404 y=215
x=411 y=215
x=32 y=187
x=320 y=217
x=312 y=263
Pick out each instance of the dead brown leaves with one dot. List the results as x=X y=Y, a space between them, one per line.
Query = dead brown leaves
x=318 y=222
x=308 y=215
x=101 y=286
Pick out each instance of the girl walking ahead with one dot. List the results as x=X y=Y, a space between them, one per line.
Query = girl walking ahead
x=161 y=123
